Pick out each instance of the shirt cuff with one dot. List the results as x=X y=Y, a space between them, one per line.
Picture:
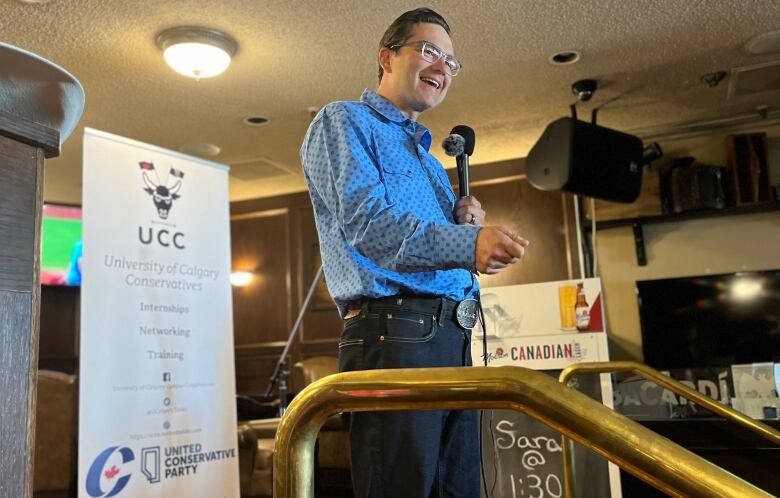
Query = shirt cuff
x=456 y=246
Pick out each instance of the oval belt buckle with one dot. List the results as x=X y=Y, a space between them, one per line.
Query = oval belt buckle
x=466 y=313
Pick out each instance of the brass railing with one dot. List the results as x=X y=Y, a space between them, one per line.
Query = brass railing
x=637 y=449
x=662 y=380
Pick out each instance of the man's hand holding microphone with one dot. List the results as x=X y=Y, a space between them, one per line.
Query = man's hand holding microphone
x=497 y=247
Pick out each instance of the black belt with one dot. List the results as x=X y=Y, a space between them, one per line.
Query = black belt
x=463 y=312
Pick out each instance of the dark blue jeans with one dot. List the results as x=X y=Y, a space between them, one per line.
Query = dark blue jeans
x=410 y=454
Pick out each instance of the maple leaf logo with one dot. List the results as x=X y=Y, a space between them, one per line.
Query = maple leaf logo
x=112 y=472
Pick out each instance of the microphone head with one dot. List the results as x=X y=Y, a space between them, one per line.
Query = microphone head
x=454 y=145
x=468 y=135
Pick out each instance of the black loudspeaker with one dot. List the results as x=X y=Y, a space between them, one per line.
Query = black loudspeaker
x=586 y=159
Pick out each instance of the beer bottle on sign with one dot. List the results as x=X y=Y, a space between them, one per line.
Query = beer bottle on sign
x=581 y=309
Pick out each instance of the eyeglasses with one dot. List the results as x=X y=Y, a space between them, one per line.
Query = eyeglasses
x=432 y=53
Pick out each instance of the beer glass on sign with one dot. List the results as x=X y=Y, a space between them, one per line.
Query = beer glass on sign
x=567 y=299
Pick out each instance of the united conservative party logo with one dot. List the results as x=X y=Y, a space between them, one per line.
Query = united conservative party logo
x=105 y=477
x=111 y=470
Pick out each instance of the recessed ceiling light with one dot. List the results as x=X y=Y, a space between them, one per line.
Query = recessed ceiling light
x=200 y=149
x=256 y=120
x=564 y=57
x=197 y=52
x=765 y=43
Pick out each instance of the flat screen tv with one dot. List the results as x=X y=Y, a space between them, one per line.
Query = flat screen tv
x=710 y=321
x=61 y=245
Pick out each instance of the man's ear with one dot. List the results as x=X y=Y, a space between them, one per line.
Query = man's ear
x=385 y=56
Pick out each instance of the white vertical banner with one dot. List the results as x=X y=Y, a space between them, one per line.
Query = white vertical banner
x=157 y=414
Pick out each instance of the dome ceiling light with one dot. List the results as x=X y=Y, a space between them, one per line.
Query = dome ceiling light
x=200 y=149
x=765 y=43
x=197 y=52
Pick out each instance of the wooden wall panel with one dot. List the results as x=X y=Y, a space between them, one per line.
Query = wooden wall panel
x=254 y=366
x=530 y=212
x=534 y=215
x=257 y=352
x=322 y=323
x=59 y=340
x=261 y=310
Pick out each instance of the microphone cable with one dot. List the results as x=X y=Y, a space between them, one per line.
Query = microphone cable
x=482 y=412
x=483 y=325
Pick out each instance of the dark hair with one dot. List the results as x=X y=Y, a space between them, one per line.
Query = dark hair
x=401 y=29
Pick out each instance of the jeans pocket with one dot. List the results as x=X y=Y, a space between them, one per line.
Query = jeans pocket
x=361 y=320
x=406 y=327
x=351 y=355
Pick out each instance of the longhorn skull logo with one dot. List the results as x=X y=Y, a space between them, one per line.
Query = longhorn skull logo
x=162 y=195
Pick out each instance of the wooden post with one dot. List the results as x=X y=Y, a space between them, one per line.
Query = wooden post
x=23 y=146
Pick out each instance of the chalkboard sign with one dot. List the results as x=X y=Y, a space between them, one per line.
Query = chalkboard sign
x=523 y=458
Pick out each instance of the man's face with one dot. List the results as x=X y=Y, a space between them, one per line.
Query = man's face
x=413 y=84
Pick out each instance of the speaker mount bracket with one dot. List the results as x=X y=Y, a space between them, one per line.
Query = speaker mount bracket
x=639 y=244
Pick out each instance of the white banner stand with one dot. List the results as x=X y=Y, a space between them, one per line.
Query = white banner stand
x=157 y=414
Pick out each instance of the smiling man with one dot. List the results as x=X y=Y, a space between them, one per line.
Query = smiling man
x=400 y=255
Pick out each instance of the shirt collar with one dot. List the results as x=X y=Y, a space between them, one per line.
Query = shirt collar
x=422 y=136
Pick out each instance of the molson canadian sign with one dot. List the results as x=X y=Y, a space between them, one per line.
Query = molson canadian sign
x=545 y=326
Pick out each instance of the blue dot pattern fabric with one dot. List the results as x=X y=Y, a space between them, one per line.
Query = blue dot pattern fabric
x=383 y=206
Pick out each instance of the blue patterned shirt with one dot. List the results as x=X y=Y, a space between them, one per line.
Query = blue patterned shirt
x=383 y=206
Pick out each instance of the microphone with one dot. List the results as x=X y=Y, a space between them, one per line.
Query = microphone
x=460 y=143
x=454 y=145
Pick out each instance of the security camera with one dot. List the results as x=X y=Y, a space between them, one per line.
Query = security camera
x=651 y=153
x=584 y=89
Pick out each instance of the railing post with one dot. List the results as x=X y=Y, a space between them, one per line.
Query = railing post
x=29 y=131
x=21 y=197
